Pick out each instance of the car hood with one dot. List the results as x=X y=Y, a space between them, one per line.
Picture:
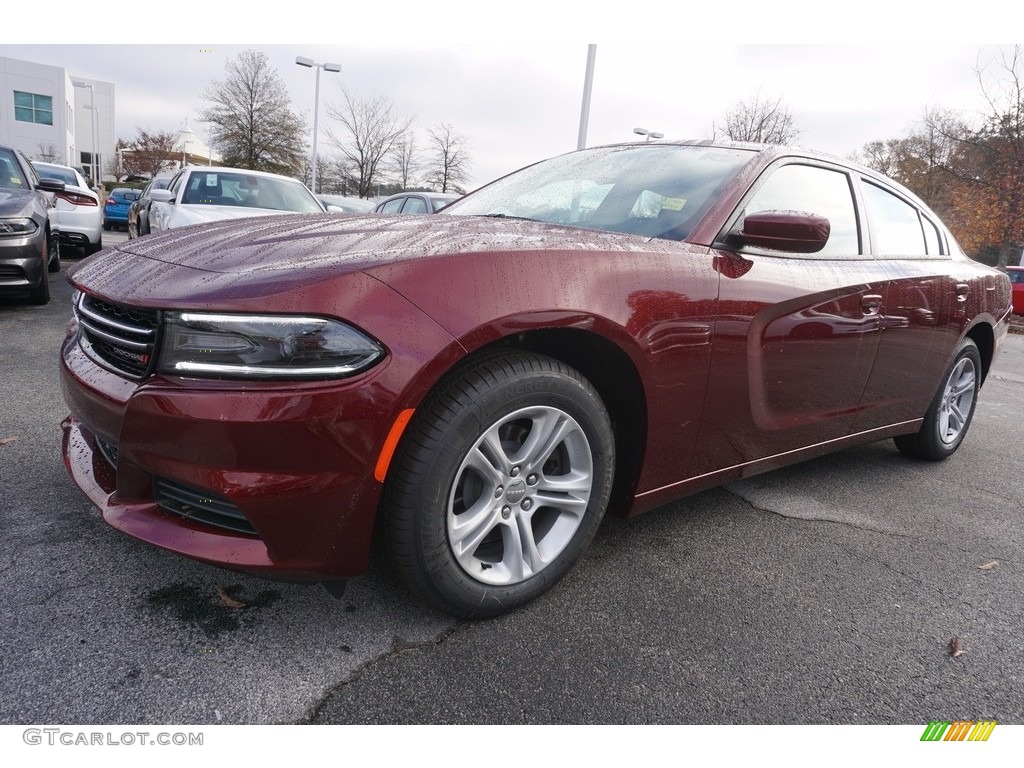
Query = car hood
x=328 y=241
x=270 y=255
x=184 y=215
x=16 y=202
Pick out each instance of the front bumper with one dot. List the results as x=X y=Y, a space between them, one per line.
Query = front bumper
x=21 y=264
x=296 y=464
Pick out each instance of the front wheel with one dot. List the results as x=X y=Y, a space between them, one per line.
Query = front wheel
x=499 y=484
x=951 y=411
x=53 y=249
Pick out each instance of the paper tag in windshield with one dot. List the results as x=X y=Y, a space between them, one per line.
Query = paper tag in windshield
x=673 y=203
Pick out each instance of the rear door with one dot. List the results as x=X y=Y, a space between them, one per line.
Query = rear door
x=923 y=315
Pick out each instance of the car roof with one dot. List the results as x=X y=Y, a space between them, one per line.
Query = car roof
x=244 y=171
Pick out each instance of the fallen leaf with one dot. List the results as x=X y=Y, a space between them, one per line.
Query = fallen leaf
x=954 y=647
x=228 y=600
x=989 y=566
x=6 y=440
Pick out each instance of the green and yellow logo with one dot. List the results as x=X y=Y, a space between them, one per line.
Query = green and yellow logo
x=958 y=730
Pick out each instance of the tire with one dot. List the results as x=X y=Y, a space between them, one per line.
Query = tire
x=499 y=484
x=41 y=293
x=91 y=248
x=949 y=416
x=106 y=226
x=53 y=249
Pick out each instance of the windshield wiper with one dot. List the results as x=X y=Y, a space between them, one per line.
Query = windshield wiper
x=506 y=216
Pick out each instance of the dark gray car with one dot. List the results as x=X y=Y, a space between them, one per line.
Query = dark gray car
x=415 y=202
x=28 y=243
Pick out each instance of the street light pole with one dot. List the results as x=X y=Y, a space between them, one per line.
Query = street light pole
x=92 y=110
x=588 y=84
x=303 y=61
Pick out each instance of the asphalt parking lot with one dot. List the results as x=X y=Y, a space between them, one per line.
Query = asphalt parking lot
x=824 y=593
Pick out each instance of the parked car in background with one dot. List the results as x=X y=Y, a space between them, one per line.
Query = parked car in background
x=346 y=204
x=76 y=212
x=29 y=247
x=117 y=205
x=610 y=329
x=415 y=202
x=138 y=213
x=1017 y=280
x=204 y=194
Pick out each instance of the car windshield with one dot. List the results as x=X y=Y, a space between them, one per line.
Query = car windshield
x=11 y=176
x=655 y=191
x=248 y=191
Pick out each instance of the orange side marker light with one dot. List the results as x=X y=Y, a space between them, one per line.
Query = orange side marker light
x=391 y=443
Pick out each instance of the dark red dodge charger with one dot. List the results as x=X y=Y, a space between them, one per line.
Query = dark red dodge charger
x=606 y=330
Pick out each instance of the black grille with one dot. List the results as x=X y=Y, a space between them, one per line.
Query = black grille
x=11 y=272
x=196 y=504
x=117 y=337
x=108 y=451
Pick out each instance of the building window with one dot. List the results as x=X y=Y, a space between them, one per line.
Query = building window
x=33 y=108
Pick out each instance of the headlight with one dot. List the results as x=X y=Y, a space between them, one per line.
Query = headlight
x=263 y=346
x=17 y=227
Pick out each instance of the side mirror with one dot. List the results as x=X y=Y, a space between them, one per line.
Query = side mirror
x=51 y=185
x=792 y=231
x=161 y=196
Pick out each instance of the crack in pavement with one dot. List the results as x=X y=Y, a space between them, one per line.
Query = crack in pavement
x=399 y=647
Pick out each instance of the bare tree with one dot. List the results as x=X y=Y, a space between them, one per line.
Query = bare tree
x=449 y=165
x=1000 y=145
x=149 y=153
x=759 y=120
x=404 y=160
x=373 y=131
x=251 y=119
x=47 y=153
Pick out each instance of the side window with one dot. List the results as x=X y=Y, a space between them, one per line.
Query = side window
x=414 y=205
x=392 y=206
x=895 y=224
x=931 y=237
x=175 y=183
x=820 y=191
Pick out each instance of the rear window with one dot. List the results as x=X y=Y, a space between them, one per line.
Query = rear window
x=60 y=174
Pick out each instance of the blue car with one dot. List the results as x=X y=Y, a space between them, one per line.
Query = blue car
x=115 y=210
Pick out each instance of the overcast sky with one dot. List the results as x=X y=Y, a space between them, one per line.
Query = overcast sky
x=510 y=79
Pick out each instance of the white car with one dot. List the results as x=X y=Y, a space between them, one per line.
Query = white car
x=204 y=193
x=77 y=214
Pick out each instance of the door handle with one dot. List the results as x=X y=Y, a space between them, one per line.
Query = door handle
x=871 y=303
x=962 y=289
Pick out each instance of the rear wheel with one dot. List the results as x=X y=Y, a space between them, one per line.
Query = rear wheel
x=951 y=411
x=499 y=485
x=91 y=248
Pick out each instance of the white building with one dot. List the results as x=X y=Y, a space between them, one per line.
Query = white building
x=193 y=150
x=48 y=113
